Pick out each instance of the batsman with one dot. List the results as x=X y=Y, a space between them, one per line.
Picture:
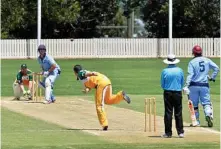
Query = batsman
x=103 y=94
x=50 y=71
x=24 y=79
x=197 y=86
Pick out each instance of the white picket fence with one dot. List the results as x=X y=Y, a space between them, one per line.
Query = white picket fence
x=109 y=48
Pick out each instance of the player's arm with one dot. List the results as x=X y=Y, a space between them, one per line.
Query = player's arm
x=190 y=72
x=215 y=69
x=19 y=81
x=182 y=78
x=88 y=74
x=162 y=79
x=84 y=74
x=86 y=90
x=41 y=66
x=30 y=76
x=52 y=63
x=19 y=78
x=53 y=66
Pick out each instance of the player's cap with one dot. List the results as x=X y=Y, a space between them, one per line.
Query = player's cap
x=23 y=66
x=197 y=49
x=41 y=47
x=77 y=68
x=171 y=59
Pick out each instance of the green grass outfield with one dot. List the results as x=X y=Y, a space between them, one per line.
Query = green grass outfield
x=139 y=77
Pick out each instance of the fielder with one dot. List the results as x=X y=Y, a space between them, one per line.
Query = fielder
x=50 y=71
x=197 y=85
x=24 y=79
x=103 y=93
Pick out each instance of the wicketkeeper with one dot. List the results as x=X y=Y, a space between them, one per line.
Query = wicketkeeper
x=24 y=79
x=197 y=85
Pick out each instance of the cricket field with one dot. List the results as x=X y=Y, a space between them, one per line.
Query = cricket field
x=71 y=122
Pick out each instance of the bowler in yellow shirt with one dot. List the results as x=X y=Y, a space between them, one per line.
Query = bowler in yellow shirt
x=103 y=94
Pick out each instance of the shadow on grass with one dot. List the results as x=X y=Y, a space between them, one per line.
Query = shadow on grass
x=204 y=126
x=76 y=129
x=95 y=129
x=155 y=137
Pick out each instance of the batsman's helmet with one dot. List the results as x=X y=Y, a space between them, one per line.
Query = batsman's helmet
x=197 y=50
x=77 y=68
x=41 y=47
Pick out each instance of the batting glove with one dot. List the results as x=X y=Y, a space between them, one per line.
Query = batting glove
x=45 y=73
x=186 y=90
x=211 y=79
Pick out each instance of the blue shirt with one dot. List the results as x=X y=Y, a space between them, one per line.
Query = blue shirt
x=172 y=78
x=198 y=70
x=47 y=62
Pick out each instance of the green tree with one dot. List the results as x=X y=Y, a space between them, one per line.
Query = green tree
x=92 y=14
x=190 y=18
x=19 y=18
x=118 y=20
x=59 y=17
x=12 y=13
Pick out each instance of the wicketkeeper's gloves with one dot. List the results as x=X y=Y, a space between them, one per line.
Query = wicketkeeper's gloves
x=24 y=93
x=28 y=92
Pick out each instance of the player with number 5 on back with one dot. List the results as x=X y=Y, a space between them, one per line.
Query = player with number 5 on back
x=197 y=86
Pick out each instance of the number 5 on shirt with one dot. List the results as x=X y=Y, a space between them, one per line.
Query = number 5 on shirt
x=192 y=112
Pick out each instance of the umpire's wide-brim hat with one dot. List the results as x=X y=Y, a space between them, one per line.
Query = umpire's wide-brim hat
x=171 y=59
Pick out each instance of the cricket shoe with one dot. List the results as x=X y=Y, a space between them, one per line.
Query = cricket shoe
x=16 y=98
x=53 y=98
x=166 y=136
x=197 y=125
x=191 y=125
x=181 y=135
x=105 y=128
x=126 y=98
x=47 y=101
x=209 y=121
x=30 y=98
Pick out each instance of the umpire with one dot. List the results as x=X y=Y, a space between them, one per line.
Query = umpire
x=172 y=81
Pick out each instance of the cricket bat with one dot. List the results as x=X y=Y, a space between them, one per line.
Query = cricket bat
x=192 y=112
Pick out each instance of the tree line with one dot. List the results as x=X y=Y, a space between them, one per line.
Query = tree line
x=82 y=18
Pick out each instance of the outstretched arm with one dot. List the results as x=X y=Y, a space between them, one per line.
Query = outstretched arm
x=86 y=90
x=19 y=81
x=53 y=66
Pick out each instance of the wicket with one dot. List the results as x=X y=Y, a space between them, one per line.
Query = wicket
x=37 y=91
x=150 y=109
